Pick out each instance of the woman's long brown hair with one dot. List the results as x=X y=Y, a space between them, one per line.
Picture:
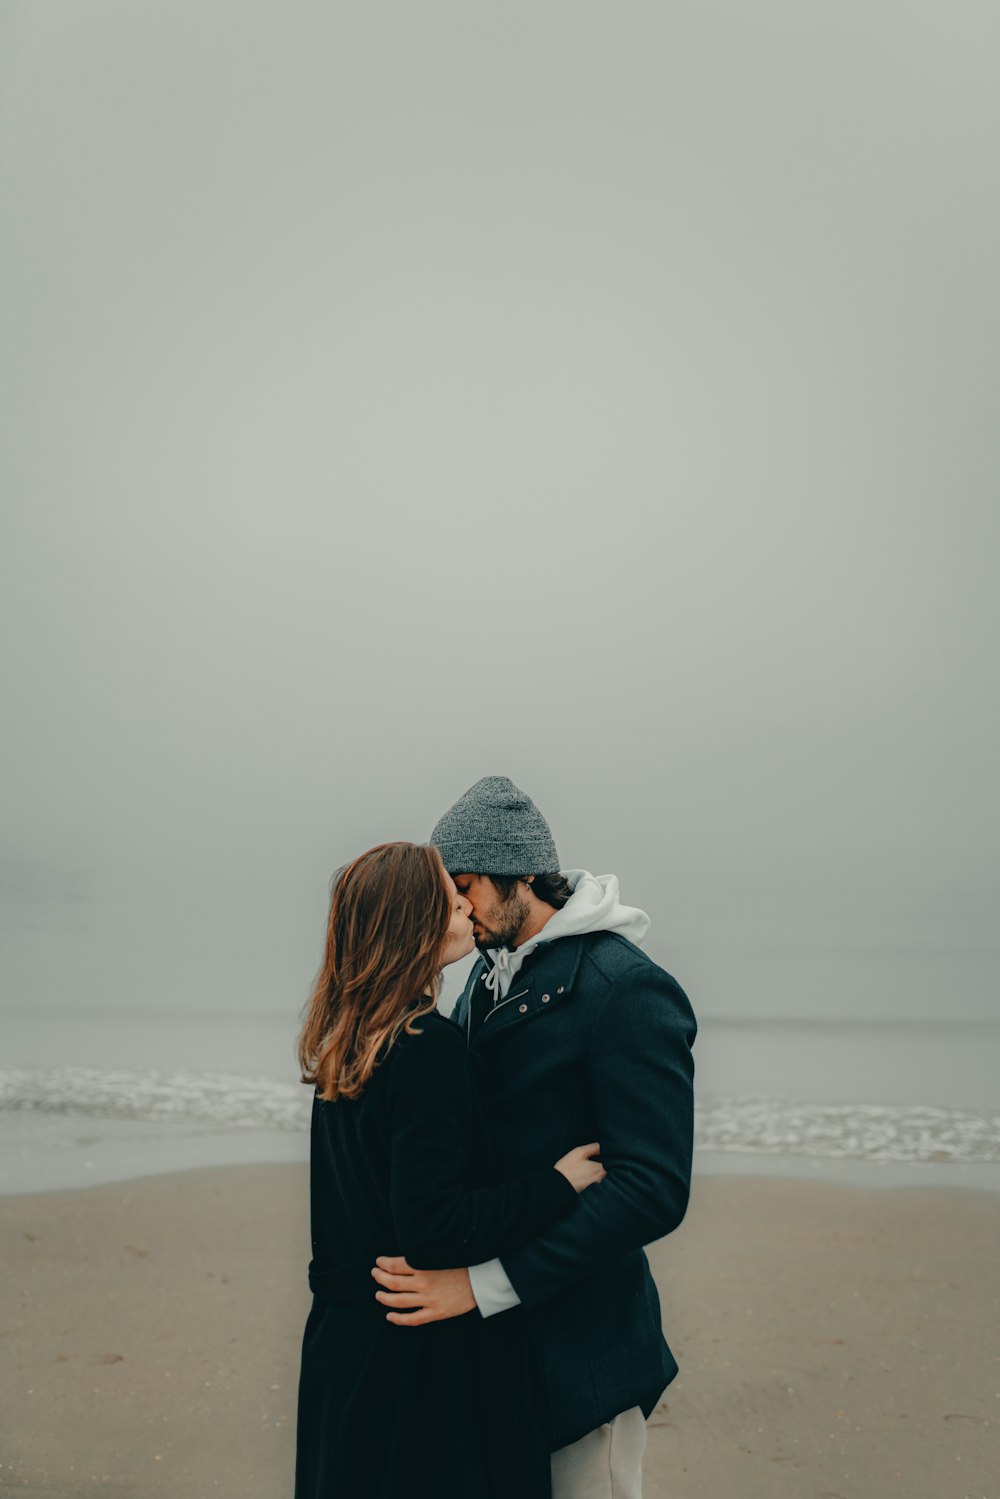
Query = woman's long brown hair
x=389 y=915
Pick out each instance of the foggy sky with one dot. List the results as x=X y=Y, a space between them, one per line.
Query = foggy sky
x=604 y=396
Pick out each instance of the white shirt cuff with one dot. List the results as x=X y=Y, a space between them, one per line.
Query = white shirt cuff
x=491 y=1288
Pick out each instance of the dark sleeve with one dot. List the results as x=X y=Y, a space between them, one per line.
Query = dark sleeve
x=641 y=1075
x=440 y=1220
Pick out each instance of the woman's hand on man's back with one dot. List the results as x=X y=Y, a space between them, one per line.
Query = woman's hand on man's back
x=579 y=1169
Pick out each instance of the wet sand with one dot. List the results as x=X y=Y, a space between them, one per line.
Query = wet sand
x=835 y=1342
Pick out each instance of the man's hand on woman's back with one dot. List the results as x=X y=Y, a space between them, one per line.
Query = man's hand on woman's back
x=419 y=1296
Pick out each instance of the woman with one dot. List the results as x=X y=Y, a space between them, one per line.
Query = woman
x=398 y=1137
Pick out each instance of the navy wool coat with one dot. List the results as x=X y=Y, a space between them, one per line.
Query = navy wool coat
x=593 y=1042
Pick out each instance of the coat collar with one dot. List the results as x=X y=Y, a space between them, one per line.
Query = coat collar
x=545 y=981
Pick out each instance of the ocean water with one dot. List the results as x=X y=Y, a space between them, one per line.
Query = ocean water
x=105 y=1096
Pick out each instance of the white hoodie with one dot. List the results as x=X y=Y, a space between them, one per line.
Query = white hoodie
x=593 y=907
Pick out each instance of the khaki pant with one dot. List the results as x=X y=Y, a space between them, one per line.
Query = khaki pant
x=605 y=1464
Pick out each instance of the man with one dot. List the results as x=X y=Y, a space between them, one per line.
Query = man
x=580 y=1037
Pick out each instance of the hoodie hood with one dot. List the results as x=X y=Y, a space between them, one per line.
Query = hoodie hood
x=594 y=906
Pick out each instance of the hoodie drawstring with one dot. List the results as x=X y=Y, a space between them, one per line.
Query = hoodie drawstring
x=501 y=964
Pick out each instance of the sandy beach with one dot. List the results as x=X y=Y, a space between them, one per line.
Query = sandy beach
x=835 y=1342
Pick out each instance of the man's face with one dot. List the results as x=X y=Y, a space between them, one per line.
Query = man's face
x=496 y=922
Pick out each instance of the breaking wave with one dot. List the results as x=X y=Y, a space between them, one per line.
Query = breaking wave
x=220 y=1098
x=862 y=1132
x=753 y=1125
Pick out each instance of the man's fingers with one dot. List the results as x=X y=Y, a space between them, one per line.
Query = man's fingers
x=396 y=1282
x=394 y=1263
x=409 y=1319
x=399 y=1298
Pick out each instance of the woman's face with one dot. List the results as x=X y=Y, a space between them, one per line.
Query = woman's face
x=458 y=938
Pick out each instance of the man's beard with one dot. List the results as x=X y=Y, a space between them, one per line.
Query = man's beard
x=509 y=916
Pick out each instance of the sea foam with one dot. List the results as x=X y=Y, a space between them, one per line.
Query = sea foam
x=755 y=1125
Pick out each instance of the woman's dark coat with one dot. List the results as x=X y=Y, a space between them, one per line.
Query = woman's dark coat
x=387 y=1411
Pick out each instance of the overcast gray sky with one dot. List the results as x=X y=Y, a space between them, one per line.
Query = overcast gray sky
x=602 y=395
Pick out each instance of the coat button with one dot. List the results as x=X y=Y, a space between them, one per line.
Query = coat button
x=522 y=1008
x=560 y=989
x=545 y=999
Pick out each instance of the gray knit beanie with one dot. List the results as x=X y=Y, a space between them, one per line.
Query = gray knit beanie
x=495 y=829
